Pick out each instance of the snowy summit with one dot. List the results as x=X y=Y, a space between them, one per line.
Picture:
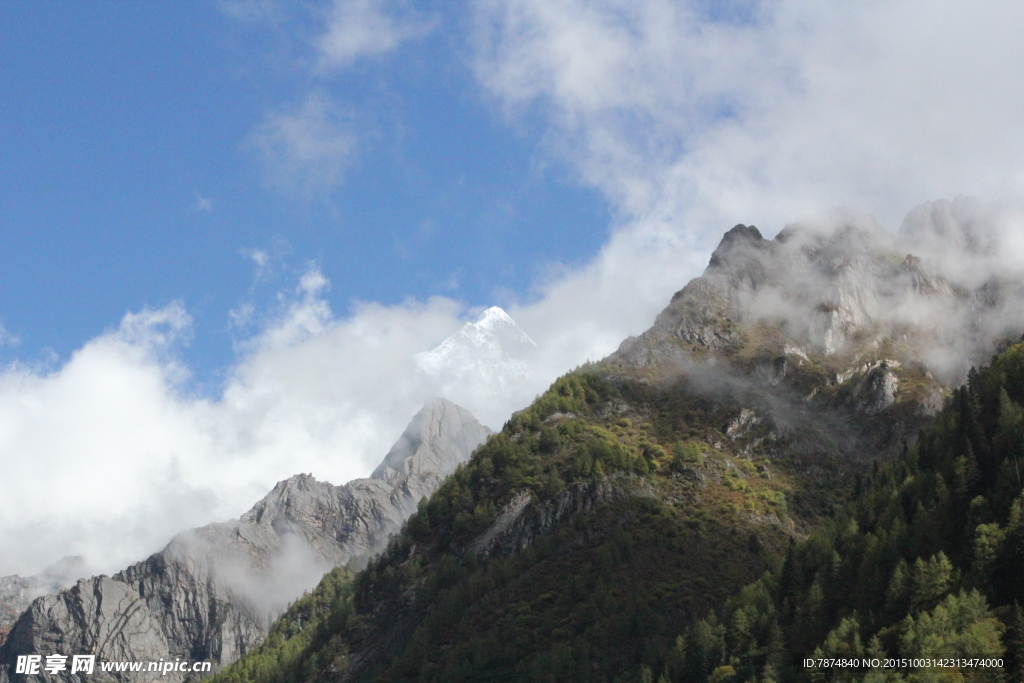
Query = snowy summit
x=492 y=354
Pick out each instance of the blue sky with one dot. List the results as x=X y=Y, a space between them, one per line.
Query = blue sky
x=131 y=177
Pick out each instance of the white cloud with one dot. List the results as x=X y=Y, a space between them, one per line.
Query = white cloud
x=365 y=28
x=705 y=123
x=687 y=124
x=108 y=455
x=306 y=148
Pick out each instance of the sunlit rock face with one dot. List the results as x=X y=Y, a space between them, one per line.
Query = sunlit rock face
x=213 y=592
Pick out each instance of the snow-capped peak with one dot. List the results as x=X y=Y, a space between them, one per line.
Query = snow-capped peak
x=490 y=354
x=494 y=333
x=495 y=315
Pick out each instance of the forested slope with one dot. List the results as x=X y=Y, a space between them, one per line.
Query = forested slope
x=577 y=543
x=925 y=561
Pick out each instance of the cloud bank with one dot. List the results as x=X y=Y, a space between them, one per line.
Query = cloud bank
x=765 y=114
x=108 y=456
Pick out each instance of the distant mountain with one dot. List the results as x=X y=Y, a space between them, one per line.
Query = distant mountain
x=963 y=226
x=488 y=357
x=642 y=492
x=213 y=592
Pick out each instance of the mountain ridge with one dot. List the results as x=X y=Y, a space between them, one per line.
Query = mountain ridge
x=640 y=492
x=212 y=592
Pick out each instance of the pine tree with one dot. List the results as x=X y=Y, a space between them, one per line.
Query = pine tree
x=932 y=579
x=1014 y=642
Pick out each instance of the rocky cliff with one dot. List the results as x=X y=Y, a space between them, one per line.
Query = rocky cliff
x=844 y=291
x=18 y=592
x=212 y=593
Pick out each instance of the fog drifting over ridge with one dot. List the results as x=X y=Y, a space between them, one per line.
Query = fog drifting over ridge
x=687 y=123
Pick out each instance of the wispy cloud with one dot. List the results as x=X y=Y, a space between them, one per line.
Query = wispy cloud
x=366 y=28
x=700 y=121
x=260 y=258
x=306 y=148
x=7 y=339
x=203 y=203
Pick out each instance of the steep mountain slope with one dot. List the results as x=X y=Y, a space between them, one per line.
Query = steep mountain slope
x=212 y=593
x=640 y=492
x=924 y=563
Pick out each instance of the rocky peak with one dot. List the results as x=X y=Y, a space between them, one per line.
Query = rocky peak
x=739 y=259
x=288 y=497
x=740 y=240
x=834 y=318
x=842 y=286
x=439 y=437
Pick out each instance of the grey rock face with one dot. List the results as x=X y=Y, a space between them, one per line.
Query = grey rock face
x=431 y=446
x=17 y=593
x=96 y=615
x=213 y=592
x=844 y=289
x=839 y=338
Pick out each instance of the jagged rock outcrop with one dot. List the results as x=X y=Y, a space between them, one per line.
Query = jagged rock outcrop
x=17 y=592
x=213 y=592
x=838 y=291
x=100 y=614
x=842 y=322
